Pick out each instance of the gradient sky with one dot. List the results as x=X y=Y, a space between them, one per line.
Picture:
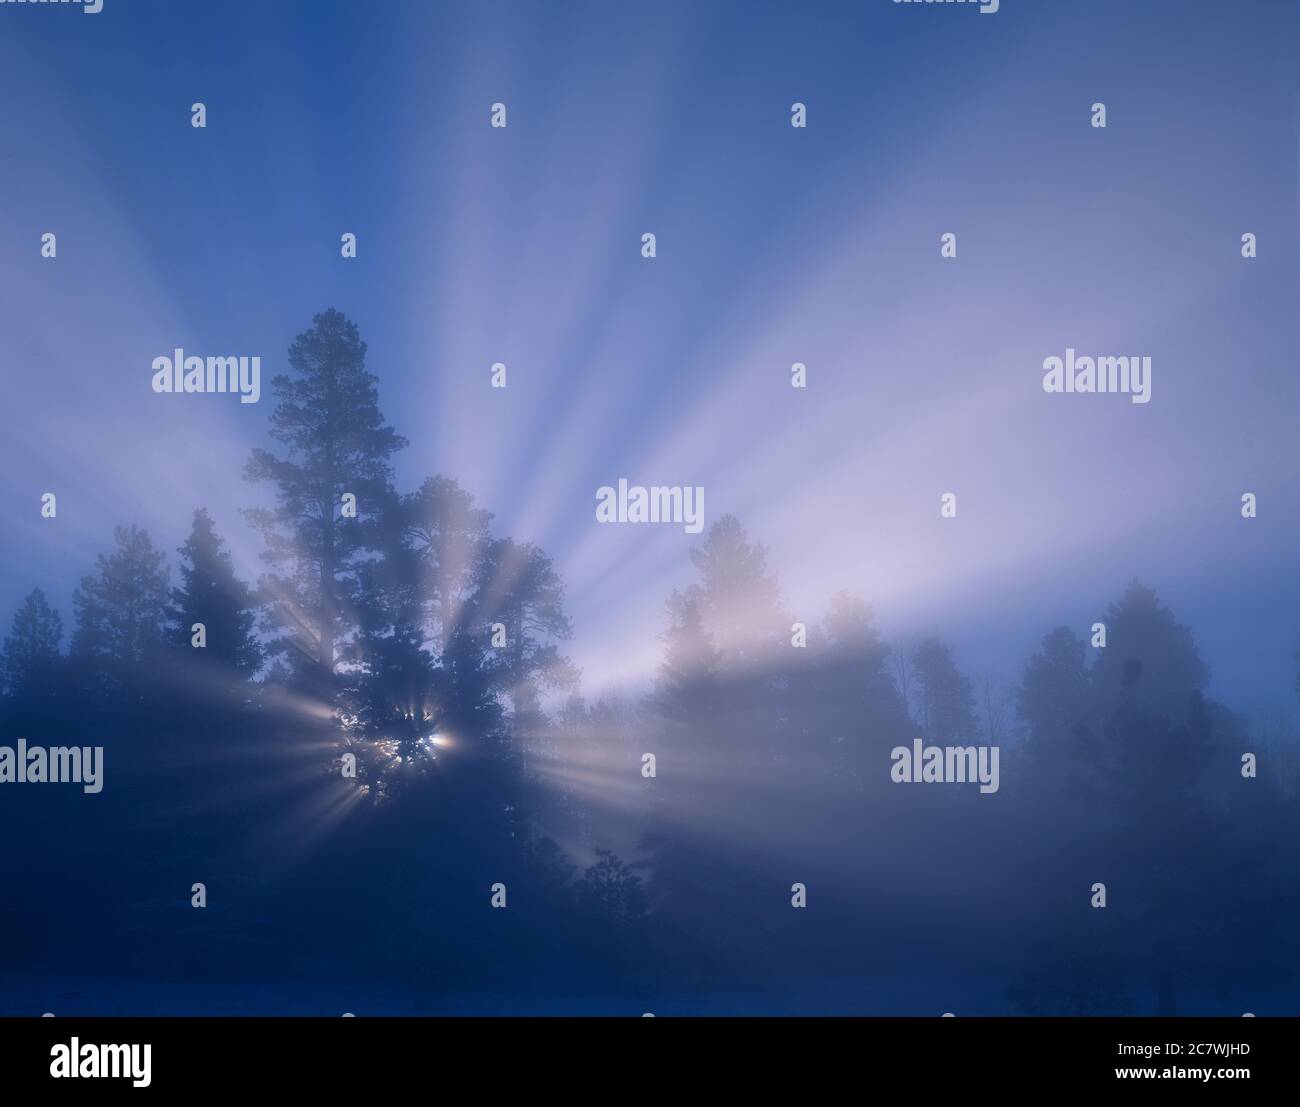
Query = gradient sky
x=775 y=245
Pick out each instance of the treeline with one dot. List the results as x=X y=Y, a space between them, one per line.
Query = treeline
x=1140 y=840
x=340 y=743
x=358 y=755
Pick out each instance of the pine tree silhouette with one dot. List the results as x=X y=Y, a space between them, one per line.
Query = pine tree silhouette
x=31 y=653
x=121 y=615
x=336 y=443
x=211 y=594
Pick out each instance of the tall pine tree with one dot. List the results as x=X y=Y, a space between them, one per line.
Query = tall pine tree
x=336 y=445
x=32 y=669
x=31 y=649
x=121 y=613
x=945 y=696
x=211 y=594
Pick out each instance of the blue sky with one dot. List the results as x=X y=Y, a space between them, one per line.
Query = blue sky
x=775 y=245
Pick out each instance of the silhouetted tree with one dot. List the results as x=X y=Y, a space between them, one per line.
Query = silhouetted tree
x=944 y=696
x=445 y=541
x=336 y=443
x=31 y=656
x=491 y=610
x=33 y=672
x=1054 y=703
x=612 y=888
x=739 y=600
x=121 y=614
x=521 y=590
x=1150 y=660
x=686 y=695
x=1139 y=753
x=211 y=594
x=400 y=695
x=846 y=698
